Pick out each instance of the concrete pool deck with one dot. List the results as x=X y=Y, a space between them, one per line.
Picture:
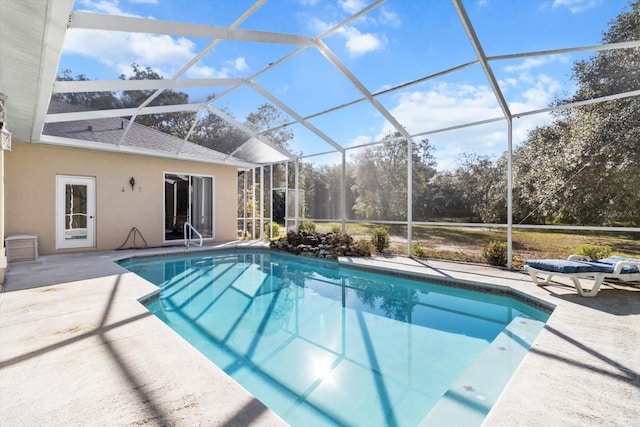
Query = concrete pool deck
x=76 y=348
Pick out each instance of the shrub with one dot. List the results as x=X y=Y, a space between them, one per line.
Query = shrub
x=417 y=251
x=380 y=238
x=336 y=228
x=495 y=253
x=594 y=251
x=364 y=247
x=274 y=227
x=307 y=227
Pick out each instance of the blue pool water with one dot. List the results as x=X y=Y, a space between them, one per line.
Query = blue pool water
x=323 y=345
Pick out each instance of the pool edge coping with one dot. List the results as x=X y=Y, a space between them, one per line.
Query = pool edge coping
x=347 y=262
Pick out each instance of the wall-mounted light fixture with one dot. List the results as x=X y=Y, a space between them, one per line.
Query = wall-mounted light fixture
x=5 y=135
x=132 y=182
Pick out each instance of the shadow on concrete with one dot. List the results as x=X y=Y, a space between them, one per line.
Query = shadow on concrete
x=56 y=270
x=135 y=384
x=620 y=372
x=619 y=300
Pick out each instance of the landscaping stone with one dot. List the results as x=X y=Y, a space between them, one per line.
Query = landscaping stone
x=320 y=245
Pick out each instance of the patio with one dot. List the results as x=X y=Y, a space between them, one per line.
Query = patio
x=76 y=348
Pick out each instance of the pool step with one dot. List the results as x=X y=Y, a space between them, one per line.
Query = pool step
x=473 y=395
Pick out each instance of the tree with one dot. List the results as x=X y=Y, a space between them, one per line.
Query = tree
x=445 y=202
x=483 y=186
x=423 y=170
x=587 y=159
x=176 y=124
x=268 y=117
x=97 y=100
x=381 y=177
x=213 y=132
x=476 y=190
x=323 y=185
x=611 y=130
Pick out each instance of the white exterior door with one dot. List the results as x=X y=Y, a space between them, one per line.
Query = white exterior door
x=75 y=212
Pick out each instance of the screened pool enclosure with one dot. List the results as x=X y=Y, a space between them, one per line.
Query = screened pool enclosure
x=493 y=114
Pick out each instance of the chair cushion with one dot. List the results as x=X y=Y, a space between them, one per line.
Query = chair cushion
x=626 y=269
x=569 y=267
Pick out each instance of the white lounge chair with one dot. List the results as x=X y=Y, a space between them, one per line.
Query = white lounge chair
x=578 y=267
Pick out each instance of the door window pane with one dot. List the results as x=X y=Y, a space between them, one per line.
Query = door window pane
x=75 y=224
x=202 y=205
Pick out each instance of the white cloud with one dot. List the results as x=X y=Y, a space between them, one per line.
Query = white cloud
x=160 y=49
x=449 y=104
x=389 y=18
x=444 y=105
x=317 y=25
x=576 y=6
x=204 y=71
x=359 y=140
x=361 y=43
x=231 y=68
x=541 y=94
x=164 y=54
x=540 y=87
x=352 y=6
x=356 y=42
x=112 y=7
x=240 y=64
x=527 y=64
x=118 y=50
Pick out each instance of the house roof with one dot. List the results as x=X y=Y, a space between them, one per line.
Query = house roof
x=109 y=134
x=33 y=34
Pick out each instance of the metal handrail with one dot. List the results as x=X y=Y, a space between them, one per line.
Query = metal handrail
x=187 y=226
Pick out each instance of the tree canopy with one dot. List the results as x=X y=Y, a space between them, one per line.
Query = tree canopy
x=587 y=160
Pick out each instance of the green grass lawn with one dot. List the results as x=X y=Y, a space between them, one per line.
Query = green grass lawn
x=466 y=244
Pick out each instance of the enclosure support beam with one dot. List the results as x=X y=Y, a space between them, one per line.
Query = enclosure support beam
x=491 y=78
x=510 y=195
x=271 y=201
x=253 y=203
x=261 y=201
x=245 y=176
x=286 y=196
x=297 y=194
x=409 y=195
x=343 y=193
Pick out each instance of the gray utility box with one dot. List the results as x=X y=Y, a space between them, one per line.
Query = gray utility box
x=23 y=247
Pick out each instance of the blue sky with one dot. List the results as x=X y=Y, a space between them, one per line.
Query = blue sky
x=397 y=42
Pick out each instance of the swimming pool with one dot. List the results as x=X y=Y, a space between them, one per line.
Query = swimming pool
x=324 y=345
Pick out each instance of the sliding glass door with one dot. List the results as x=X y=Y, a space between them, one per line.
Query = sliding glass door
x=188 y=198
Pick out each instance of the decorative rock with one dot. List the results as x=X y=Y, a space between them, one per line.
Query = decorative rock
x=328 y=245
